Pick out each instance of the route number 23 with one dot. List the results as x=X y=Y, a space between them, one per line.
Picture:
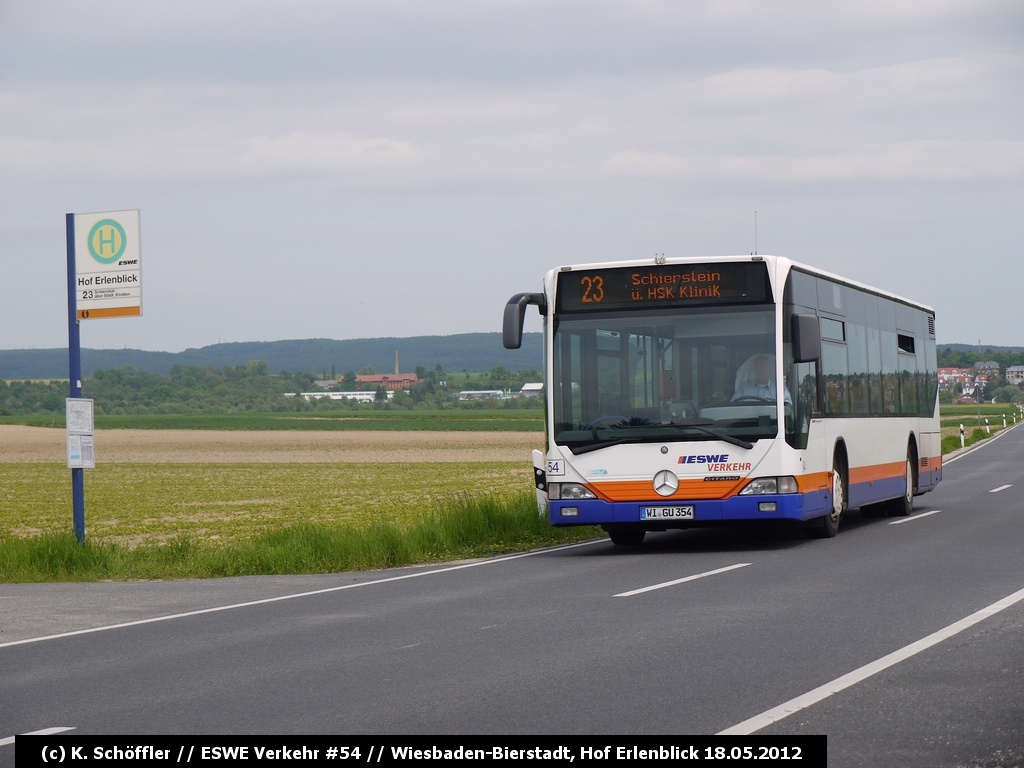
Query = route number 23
x=593 y=289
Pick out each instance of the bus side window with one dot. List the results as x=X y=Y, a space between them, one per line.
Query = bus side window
x=890 y=374
x=834 y=372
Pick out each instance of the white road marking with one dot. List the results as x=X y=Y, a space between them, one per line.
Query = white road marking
x=1001 y=488
x=43 y=732
x=325 y=591
x=680 y=581
x=792 y=706
x=915 y=517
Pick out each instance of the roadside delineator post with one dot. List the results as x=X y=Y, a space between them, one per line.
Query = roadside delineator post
x=961 y=435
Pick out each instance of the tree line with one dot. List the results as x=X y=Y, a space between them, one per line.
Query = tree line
x=249 y=388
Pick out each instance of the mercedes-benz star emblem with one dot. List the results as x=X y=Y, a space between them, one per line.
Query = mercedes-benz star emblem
x=666 y=483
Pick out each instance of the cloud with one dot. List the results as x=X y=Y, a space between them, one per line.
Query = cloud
x=904 y=161
x=470 y=146
x=922 y=120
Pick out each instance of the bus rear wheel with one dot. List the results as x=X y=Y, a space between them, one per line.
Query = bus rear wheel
x=625 y=535
x=904 y=505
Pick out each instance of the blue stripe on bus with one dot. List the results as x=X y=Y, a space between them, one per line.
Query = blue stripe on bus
x=795 y=506
x=880 y=490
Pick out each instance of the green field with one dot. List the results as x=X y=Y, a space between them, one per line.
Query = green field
x=131 y=503
x=456 y=419
x=449 y=420
x=987 y=409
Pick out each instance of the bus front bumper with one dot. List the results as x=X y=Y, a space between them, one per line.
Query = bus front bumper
x=790 y=506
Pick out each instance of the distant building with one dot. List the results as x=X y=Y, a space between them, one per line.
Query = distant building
x=532 y=389
x=987 y=365
x=1015 y=374
x=362 y=397
x=483 y=394
x=948 y=377
x=325 y=383
x=389 y=381
x=970 y=394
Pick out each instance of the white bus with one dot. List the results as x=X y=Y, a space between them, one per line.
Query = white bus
x=688 y=392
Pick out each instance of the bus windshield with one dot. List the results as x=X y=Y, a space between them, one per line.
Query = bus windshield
x=686 y=374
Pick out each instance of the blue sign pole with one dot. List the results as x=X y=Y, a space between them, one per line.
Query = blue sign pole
x=75 y=377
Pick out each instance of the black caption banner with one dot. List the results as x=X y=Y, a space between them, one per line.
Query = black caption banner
x=339 y=751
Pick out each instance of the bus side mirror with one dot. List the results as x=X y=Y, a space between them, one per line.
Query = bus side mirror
x=806 y=339
x=515 y=315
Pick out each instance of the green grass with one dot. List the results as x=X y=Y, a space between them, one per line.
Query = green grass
x=457 y=528
x=973 y=423
x=952 y=443
x=456 y=419
x=987 y=409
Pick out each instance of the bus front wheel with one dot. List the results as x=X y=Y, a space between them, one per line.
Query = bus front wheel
x=828 y=525
x=625 y=535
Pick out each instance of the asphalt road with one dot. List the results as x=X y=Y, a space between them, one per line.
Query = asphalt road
x=551 y=642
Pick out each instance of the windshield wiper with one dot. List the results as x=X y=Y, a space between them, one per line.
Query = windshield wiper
x=595 y=446
x=715 y=433
x=588 y=447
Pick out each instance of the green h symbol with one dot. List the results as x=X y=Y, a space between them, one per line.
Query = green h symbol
x=107 y=237
x=106 y=241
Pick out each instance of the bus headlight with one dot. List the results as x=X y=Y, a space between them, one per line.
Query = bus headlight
x=772 y=485
x=569 y=491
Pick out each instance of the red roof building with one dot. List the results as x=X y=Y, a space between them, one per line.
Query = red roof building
x=389 y=381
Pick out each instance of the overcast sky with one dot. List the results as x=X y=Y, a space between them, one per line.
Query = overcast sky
x=345 y=170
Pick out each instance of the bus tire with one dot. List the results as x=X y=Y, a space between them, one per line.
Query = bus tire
x=828 y=525
x=904 y=505
x=626 y=535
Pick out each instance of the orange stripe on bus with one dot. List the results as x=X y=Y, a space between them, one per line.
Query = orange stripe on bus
x=877 y=472
x=696 y=490
x=703 y=490
x=814 y=481
x=643 y=490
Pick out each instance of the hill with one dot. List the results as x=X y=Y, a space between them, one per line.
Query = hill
x=464 y=351
x=974 y=348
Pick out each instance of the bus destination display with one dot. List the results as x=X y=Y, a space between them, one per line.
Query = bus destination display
x=663 y=285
